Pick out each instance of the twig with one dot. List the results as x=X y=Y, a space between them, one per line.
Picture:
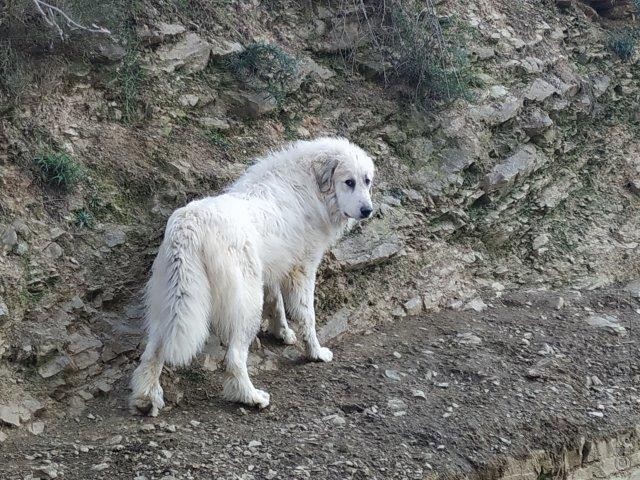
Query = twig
x=49 y=12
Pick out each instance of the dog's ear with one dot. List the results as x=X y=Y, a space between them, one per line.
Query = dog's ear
x=324 y=169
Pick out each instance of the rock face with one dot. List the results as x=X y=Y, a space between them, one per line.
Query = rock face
x=531 y=178
x=524 y=161
x=191 y=54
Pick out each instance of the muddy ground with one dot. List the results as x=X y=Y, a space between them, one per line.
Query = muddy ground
x=451 y=393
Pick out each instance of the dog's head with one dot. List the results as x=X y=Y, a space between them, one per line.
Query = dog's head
x=344 y=173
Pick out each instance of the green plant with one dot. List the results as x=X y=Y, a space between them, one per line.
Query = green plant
x=59 y=170
x=129 y=78
x=414 y=47
x=267 y=67
x=217 y=138
x=623 y=43
x=83 y=219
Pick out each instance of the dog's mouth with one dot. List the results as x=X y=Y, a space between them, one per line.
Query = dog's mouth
x=347 y=216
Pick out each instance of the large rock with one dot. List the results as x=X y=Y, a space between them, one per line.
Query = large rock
x=535 y=122
x=608 y=323
x=526 y=160
x=191 y=54
x=335 y=326
x=249 y=105
x=9 y=416
x=375 y=244
x=221 y=48
x=8 y=237
x=496 y=114
x=539 y=90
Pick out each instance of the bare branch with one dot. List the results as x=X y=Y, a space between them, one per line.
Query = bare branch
x=49 y=12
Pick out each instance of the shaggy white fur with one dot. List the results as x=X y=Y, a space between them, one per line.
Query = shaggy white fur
x=259 y=244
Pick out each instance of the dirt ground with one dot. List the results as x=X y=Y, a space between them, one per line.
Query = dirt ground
x=452 y=393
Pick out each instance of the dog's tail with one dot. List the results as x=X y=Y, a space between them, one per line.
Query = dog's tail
x=178 y=295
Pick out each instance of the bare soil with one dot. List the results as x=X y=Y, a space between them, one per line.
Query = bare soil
x=522 y=375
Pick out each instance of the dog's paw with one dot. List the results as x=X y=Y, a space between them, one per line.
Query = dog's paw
x=287 y=336
x=260 y=398
x=149 y=405
x=323 y=354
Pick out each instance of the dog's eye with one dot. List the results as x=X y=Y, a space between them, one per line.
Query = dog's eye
x=350 y=183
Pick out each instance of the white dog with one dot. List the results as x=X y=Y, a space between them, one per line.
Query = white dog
x=260 y=243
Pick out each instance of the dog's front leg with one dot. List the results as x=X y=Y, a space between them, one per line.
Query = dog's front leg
x=298 y=292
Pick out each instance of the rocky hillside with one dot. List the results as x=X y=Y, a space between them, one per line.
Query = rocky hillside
x=507 y=156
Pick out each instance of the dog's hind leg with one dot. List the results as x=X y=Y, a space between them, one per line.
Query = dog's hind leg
x=274 y=308
x=146 y=398
x=298 y=290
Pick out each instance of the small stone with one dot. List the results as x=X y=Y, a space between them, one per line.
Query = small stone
x=254 y=444
x=100 y=467
x=195 y=423
x=476 y=304
x=442 y=385
x=335 y=419
x=36 y=428
x=413 y=306
x=396 y=404
x=3 y=437
x=540 y=241
x=608 y=323
x=468 y=338
x=418 y=393
x=596 y=414
x=546 y=350
x=392 y=375
x=188 y=100
x=397 y=355
x=9 y=416
x=114 y=238
x=147 y=427
x=48 y=470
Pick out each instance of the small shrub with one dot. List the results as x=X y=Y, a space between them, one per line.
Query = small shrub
x=265 y=67
x=623 y=44
x=414 y=47
x=59 y=170
x=217 y=138
x=83 y=219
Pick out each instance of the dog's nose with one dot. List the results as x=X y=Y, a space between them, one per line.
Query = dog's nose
x=365 y=212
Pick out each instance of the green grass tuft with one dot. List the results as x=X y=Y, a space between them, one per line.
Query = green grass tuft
x=83 y=219
x=59 y=170
x=217 y=138
x=623 y=44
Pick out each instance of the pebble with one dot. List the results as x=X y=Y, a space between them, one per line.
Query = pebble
x=468 y=338
x=392 y=375
x=397 y=355
x=596 y=414
x=48 y=470
x=194 y=423
x=335 y=419
x=147 y=427
x=418 y=393
x=396 y=404
x=100 y=467
x=254 y=444
x=442 y=385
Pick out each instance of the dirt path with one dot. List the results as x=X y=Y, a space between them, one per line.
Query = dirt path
x=449 y=393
